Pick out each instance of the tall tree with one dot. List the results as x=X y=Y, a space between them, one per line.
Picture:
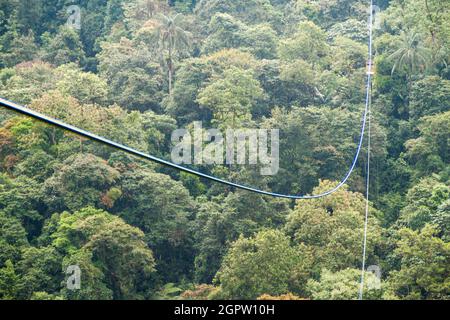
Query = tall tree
x=411 y=56
x=173 y=40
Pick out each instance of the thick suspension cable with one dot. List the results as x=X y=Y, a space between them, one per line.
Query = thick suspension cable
x=43 y=118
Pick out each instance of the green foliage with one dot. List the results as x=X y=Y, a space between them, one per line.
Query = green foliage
x=63 y=48
x=333 y=228
x=161 y=208
x=308 y=43
x=313 y=144
x=40 y=270
x=228 y=32
x=351 y=28
x=78 y=182
x=252 y=11
x=411 y=54
x=222 y=220
x=430 y=152
x=232 y=97
x=424 y=266
x=112 y=254
x=168 y=292
x=193 y=184
x=21 y=48
x=12 y=239
x=8 y=281
x=87 y=88
x=172 y=40
x=27 y=81
x=422 y=202
x=139 y=69
x=429 y=96
x=135 y=80
x=263 y=264
x=20 y=198
x=344 y=285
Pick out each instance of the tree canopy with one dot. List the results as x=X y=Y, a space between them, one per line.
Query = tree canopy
x=136 y=71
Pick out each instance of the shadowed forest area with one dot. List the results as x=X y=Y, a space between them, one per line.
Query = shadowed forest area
x=134 y=71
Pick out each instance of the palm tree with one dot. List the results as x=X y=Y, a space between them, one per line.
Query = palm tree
x=173 y=38
x=411 y=53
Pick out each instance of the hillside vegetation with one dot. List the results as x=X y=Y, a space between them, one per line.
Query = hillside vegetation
x=136 y=70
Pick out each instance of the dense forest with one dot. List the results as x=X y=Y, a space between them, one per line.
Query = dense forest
x=134 y=71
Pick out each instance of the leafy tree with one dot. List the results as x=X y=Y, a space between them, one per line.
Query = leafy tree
x=134 y=77
x=222 y=220
x=12 y=239
x=263 y=264
x=349 y=56
x=21 y=48
x=114 y=12
x=79 y=181
x=43 y=296
x=429 y=96
x=424 y=266
x=225 y=32
x=232 y=97
x=8 y=281
x=301 y=74
x=441 y=218
x=329 y=12
x=138 y=69
x=40 y=270
x=200 y=292
x=333 y=228
x=137 y=12
x=64 y=47
x=193 y=184
x=115 y=249
x=191 y=77
x=411 y=53
x=173 y=40
x=161 y=208
x=94 y=278
x=38 y=166
x=261 y=41
x=158 y=130
x=288 y=296
x=308 y=43
x=86 y=87
x=422 y=202
x=20 y=198
x=352 y=28
x=344 y=285
x=194 y=75
x=27 y=81
x=252 y=11
x=228 y=32
x=430 y=151
x=314 y=145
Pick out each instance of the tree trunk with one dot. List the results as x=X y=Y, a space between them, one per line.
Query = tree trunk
x=170 y=67
x=170 y=80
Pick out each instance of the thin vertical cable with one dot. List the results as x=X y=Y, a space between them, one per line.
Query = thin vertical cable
x=369 y=101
